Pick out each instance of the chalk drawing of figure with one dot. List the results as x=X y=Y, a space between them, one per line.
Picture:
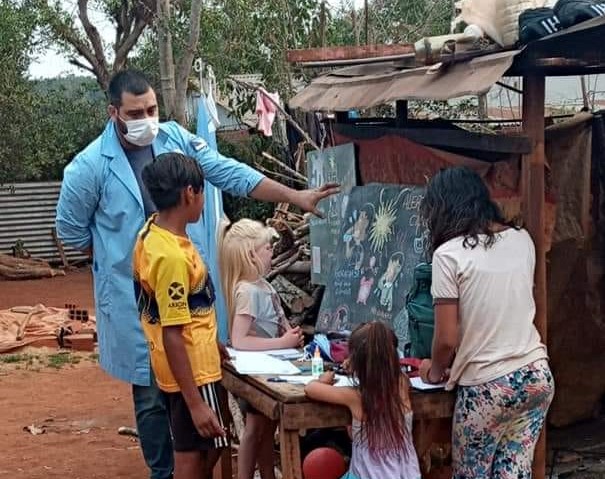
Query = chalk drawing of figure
x=388 y=281
x=317 y=174
x=343 y=206
x=342 y=318
x=420 y=242
x=323 y=322
x=356 y=235
x=401 y=328
x=366 y=282
x=334 y=206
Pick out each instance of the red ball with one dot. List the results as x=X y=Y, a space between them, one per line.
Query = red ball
x=324 y=463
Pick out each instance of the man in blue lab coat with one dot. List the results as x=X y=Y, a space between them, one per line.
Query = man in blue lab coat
x=102 y=207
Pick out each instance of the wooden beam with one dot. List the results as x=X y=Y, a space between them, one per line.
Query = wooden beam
x=444 y=138
x=533 y=213
x=347 y=53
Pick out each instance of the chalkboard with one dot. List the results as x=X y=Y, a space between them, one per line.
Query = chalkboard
x=381 y=240
x=330 y=165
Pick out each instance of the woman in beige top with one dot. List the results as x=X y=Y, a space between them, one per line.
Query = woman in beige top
x=485 y=342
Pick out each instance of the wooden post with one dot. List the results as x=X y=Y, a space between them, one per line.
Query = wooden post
x=401 y=113
x=342 y=117
x=59 y=246
x=533 y=215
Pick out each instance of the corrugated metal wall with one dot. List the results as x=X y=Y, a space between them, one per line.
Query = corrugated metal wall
x=27 y=212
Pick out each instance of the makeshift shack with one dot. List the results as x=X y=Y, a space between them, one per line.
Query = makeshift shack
x=553 y=176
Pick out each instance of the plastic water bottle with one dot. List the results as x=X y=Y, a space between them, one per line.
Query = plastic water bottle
x=317 y=364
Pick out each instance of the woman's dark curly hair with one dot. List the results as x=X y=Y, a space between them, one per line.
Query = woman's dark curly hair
x=457 y=203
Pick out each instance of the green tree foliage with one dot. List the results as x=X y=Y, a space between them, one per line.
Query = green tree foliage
x=404 y=21
x=389 y=21
x=239 y=36
x=17 y=25
x=67 y=115
x=237 y=207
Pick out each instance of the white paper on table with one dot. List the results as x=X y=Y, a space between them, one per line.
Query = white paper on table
x=254 y=362
x=341 y=381
x=303 y=380
x=287 y=353
x=345 y=381
x=419 y=384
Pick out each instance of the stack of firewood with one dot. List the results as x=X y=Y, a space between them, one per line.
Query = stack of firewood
x=291 y=266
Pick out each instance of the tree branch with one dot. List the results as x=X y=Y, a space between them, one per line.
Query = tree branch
x=184 y=67
x=65 y=32
x=93 y=36
x=167 y=80
x=128 y=43
x=79 y=64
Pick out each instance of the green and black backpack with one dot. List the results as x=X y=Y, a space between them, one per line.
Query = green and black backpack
x=421 y=316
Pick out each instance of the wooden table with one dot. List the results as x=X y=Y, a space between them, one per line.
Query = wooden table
x=287 y=404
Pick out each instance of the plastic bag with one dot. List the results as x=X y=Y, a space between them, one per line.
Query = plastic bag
x=499 y=19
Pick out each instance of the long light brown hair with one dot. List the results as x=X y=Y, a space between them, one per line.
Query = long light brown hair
x=237 y=257
x=374 y=365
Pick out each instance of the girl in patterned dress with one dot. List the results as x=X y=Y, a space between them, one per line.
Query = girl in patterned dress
x=485 y=342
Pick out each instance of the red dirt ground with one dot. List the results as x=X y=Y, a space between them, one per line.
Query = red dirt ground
x=81 y=407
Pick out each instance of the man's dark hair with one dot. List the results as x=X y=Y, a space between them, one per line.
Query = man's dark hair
x=129 y=81
x=167 y=176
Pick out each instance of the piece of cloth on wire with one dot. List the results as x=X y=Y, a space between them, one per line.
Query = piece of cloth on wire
x=266 y=110
x=212 y=111
x=204 y=232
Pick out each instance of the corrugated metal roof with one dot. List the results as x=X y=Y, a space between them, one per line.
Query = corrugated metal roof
x=574 y=51
x=27 y=213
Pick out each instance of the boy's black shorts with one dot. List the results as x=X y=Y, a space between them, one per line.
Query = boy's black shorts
x=185 y=437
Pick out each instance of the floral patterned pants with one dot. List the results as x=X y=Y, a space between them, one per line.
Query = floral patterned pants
x=497 y=424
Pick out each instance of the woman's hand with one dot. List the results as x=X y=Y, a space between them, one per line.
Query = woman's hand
x=428 y=376
x=423 y=370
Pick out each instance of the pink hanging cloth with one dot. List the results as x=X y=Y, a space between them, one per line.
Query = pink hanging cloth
x=266 y=110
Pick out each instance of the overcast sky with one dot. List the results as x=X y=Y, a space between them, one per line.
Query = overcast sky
x=54 y=63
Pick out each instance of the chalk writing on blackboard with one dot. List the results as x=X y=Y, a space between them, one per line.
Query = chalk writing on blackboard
x=330 y=165
x=382 y=239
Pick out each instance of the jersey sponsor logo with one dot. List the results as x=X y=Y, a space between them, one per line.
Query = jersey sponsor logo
x=176 y=291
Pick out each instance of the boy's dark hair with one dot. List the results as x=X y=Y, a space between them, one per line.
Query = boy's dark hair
x=167 y=176
x=457 y=203
x=129 y=81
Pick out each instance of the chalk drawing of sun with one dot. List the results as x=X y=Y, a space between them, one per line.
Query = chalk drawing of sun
x=382 y=227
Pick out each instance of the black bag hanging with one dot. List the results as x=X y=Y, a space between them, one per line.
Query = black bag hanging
x=536 y=23
x=572 y=12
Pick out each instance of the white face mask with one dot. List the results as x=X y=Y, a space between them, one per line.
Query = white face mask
x=141 y=132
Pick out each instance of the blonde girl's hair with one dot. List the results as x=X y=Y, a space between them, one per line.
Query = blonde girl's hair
x=237 y=258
